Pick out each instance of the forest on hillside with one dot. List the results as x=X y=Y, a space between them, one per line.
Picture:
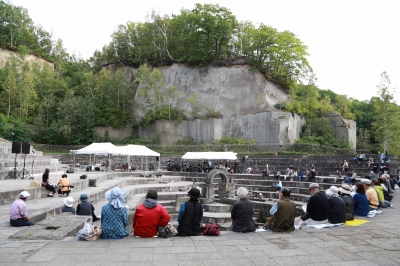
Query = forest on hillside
x=62 y=105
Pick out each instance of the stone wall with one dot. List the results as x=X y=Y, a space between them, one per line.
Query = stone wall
x=343 y=127
x=266 y=127
x=119 y=133
x=30 y=58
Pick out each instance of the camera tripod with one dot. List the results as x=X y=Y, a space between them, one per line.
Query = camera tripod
x=14 y=173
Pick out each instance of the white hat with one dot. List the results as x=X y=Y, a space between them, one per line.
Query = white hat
x=69 y=201
x=345 y=189
x=332 y=191
x=366 y=181
x=24 y=194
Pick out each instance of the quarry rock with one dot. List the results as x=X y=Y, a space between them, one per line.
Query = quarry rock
x=30 y=58
x=343 y=127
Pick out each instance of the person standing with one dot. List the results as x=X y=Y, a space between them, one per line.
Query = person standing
x=149 y=215
x=242 y=213
x=46 y=183
x=190 y=215
x=18 y=213
x=284 y=212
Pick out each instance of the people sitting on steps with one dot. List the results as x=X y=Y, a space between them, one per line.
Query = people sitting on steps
x=242 y=213
x=283 y=213
x=46 y=183
x=371 y=194
x=86 y=208
x=361 y=204
x=18 y=213
x=114 y=215
x=68 y=206
x=190 y=215
x=149 y=215
x=337 y=210
x=317 y=211
x=345 y=194
x=65 y=183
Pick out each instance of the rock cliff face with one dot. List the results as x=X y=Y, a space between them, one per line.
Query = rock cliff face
x=343 y=127
x=30 y=58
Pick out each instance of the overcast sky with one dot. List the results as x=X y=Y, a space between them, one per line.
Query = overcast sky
x=350 y=41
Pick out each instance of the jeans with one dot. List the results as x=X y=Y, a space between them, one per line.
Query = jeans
x=20 y=222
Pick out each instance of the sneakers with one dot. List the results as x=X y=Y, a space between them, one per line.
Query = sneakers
x=51 y=194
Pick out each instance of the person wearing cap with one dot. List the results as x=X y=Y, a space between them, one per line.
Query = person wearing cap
x=284 y=212
x=86 y=208
x=149 y=215
x=114 y=215
x=18 y=213
x=65 y=183
x=190 y=215
x=371 y=194
x=68 y=205
x=361 y=204
x=345 y=193
x=337 y=211
x=317 y=211
x=242 y=213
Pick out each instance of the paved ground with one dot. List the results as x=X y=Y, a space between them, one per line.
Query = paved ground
x=374 y=243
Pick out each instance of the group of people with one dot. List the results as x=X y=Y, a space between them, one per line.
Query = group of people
x=294 y=175
x=64 y=183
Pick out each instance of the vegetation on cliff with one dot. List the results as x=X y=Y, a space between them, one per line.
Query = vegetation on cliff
x=64 y=104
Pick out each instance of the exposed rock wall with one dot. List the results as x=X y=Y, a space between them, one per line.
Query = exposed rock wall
x=273 y=127
x=30 y=58
x=343 y=127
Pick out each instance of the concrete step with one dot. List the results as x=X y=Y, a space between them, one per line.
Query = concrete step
x=216 y=217
x=217 y=207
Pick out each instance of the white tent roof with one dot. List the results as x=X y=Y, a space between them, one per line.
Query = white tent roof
x=96 y=148
x=133 y=150
x=210 y=156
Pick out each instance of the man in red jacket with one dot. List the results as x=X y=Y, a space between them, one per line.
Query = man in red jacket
x=149 y=215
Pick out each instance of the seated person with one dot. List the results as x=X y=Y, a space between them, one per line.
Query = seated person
x=300 y=175
x=18 y=214
x=68 y=205
x=149 y=215
x=114 y=216
x=242 y=213
x=348 y=200
x=190 y=215
x=284 y=212
x=317 y=211
x=86 y=208
x=337 y=211
x=361 y=204
x=371 y=194
x=277 y=175
x=46 y=183
x=65 y=183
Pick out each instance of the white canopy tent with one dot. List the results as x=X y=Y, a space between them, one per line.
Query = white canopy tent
x=100 y=148
x=209 y=156
x=135 y=150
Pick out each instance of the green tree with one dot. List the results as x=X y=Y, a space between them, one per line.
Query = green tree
x=386 y=123
x=157 y=99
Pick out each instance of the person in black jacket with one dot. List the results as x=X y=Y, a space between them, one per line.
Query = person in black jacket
x=86 y=208
x=337 y=211
x=242 y=213
x=190 y=215
x=46 y=183
x=348 y=200
x=317 y=211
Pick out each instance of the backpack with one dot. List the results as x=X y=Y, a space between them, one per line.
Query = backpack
x=163 y=232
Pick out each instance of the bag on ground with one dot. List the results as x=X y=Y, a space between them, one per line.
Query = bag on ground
x=95 y=233
x=35 y=183
x=163 y=232
x=210 y=229
x=85 y=231
x=172 y=229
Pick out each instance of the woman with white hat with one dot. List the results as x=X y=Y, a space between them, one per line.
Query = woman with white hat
x=114 y=216
x=337 y=212
x=348 y=200
x=68 y=205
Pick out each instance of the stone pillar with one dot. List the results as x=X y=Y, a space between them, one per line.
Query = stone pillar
x=207 y=193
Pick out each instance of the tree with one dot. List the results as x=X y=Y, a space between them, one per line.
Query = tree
x=387 y=123
x=157 y=100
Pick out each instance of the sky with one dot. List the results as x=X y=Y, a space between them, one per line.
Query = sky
x=350 y=42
